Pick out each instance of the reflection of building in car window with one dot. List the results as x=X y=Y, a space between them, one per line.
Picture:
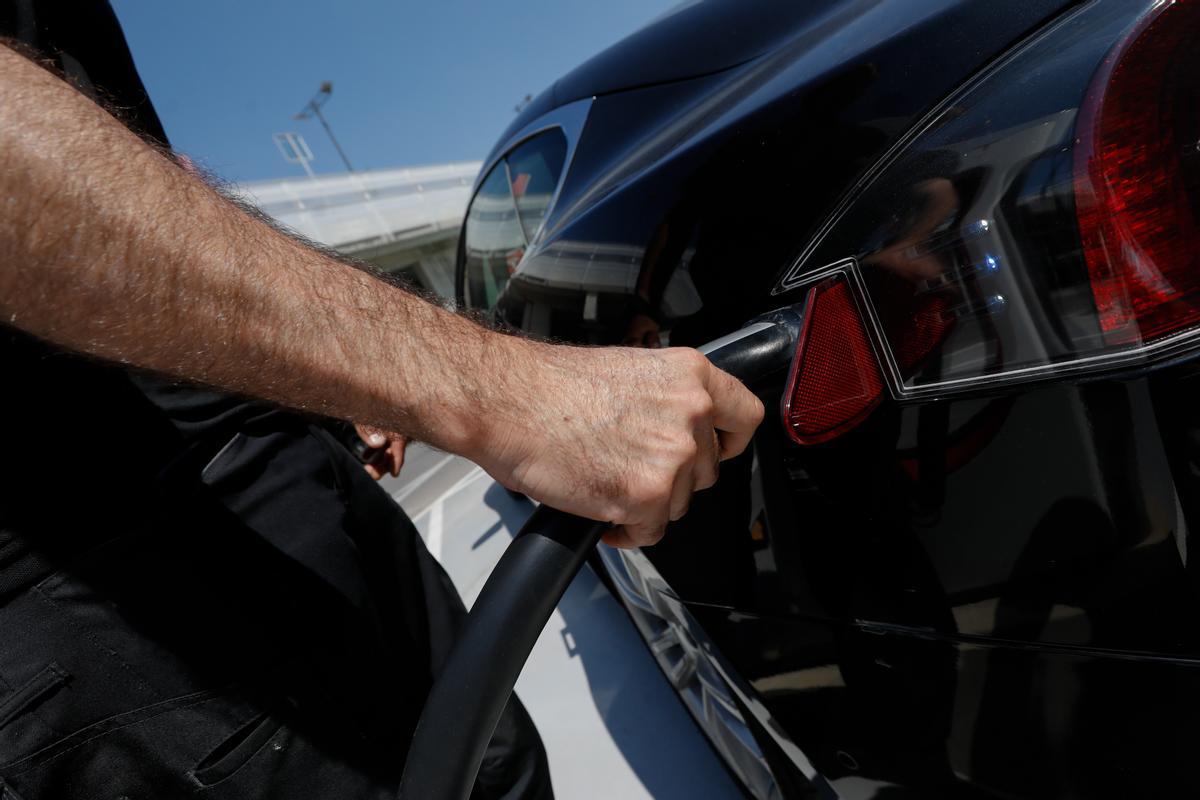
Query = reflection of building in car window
x=506 y=214
x=492 y=235
x=535 y=167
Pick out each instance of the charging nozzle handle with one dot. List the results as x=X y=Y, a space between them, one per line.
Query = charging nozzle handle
x=469 y=694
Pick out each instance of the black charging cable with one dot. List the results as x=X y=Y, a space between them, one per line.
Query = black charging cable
x=469 y=694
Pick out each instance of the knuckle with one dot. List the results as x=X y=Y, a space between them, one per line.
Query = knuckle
x=638 y=496
x=698 y=362
x=689 y=359
x=686 y=449
x=700 y=406
x=650 y=493
x=662 y=489
x=760 y=410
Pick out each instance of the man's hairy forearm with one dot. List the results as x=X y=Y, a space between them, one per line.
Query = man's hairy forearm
x=108 y=247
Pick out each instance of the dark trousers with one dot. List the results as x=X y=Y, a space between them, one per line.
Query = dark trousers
x=268 y=627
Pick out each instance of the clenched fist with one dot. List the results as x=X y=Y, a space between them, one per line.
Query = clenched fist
x=613 y=434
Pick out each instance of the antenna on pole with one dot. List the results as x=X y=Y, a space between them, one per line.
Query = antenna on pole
x=313 y=109
x=295 y=150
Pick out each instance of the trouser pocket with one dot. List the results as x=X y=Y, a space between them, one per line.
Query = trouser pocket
x=27 y=696
x=236 y=751
x=145 y=752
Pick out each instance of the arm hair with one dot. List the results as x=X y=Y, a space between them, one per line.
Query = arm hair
x=109 y=247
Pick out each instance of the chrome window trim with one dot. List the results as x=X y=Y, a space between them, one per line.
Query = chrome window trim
x=516 y=205
x=570 y=119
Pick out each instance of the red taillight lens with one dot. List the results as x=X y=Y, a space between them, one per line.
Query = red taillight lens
x=835 y=380
x=1136 y=171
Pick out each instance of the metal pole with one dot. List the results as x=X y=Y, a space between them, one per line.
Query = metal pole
x=317 y=110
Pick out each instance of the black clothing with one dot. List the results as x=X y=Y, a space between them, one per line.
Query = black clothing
x=45 y=389
x=200 y=594
x=281 y=602
x=272 y=626
x=83 y=40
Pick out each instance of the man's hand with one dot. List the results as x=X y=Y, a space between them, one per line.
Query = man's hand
x=617 y=435
x=389 y=451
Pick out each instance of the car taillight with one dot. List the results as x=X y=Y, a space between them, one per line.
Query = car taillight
x=835 y=380
x=1041 y=222
x=1136 y=166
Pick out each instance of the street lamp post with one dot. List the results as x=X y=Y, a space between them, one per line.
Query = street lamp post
x=313 y=109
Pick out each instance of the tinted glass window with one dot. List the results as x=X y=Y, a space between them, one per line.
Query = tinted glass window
x=494 y=241
x=506 y=214
x=534 y=168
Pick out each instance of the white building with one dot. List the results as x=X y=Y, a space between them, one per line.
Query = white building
x=402 y=220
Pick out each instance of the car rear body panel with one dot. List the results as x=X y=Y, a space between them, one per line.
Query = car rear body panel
x=984 y=595
x=740 y=166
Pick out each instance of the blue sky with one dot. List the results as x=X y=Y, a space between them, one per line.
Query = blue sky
x=413 y=83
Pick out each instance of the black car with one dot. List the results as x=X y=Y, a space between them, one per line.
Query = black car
x=955 y=563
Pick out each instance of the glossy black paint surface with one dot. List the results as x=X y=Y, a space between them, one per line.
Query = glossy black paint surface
x=689 y=40
x=993 y=610
x=735 y=170
x=983 y=596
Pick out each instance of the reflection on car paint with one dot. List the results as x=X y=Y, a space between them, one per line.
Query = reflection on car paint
x=984 y=595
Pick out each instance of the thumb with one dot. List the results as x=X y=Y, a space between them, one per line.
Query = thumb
x=371 y=435
x=635 y=534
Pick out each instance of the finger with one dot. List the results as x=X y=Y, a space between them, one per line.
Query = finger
x=685 y=479
x=635 y=535
x=681 y=492
x=736 y=412
x=396 y=457
x=373 y=471
x=708 y=458
x=617 y=537
x=371 y=435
